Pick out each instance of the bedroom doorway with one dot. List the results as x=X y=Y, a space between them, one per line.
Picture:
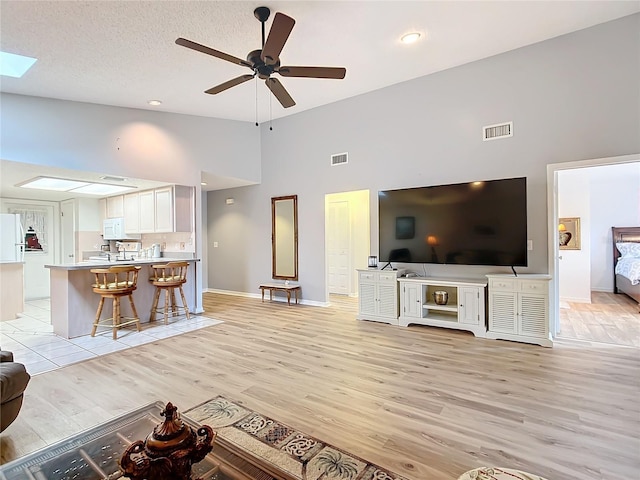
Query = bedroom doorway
x=583 y=306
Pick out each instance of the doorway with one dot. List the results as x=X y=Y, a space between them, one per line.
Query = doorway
x=347 y=240
x=39 y=221
x=597 y=194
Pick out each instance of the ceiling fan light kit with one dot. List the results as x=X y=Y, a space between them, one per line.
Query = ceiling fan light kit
x=266 y=61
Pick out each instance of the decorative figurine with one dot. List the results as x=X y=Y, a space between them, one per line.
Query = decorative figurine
x=169 y=451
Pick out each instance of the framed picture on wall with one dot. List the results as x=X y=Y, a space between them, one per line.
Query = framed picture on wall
x=569 y=233
x=405 y=228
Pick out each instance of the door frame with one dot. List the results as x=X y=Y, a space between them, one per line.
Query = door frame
x=552 y=222
x=364 y=218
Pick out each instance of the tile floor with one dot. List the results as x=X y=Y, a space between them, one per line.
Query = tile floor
x=33 y=343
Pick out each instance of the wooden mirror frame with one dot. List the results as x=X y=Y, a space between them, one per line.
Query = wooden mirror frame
x=284 y=238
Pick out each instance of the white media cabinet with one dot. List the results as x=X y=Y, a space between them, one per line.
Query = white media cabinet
x=519 y=308
x=378 y=295
x=465 y=309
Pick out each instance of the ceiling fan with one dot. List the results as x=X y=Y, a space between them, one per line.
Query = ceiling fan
x=266 y=61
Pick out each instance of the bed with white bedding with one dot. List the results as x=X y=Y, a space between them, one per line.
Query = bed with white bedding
x=626 y=261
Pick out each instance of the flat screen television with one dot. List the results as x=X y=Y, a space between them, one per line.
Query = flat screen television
x=476 y=223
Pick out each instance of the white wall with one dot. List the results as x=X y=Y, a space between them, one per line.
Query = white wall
x=563 y=96
x=159 y=146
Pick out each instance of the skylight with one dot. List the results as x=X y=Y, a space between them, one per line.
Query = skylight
x=12 y=65
x=74 y=186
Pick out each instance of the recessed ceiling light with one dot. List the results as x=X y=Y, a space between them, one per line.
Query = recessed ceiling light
x=204 y=184
x=12 y=65
x=155 y=103
x=410 y=37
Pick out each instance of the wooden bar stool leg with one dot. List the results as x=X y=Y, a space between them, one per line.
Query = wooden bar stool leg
x=95 y=324
x=174 y=305
x=154 y=306
x=184 y=303
x=116 y=316
x=135 y=312
x=166 y=306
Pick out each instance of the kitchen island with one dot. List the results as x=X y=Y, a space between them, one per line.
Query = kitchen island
x=74 y=304
x=11 y=289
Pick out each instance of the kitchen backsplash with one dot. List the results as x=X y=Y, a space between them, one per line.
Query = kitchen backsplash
x=169 y=242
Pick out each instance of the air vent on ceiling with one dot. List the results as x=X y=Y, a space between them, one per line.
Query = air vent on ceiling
x=501 y=130
x=111 y=178
x=339 y=159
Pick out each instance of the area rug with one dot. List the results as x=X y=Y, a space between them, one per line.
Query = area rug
x=493 y=473
x=296 y=453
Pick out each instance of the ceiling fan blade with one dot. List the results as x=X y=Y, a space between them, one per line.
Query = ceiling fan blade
x=313 y=72
x=228 y=84
x=280 y=30
x=210 y=51
x=280 y=93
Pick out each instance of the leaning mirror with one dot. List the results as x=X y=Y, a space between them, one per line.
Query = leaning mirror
x=284 y=237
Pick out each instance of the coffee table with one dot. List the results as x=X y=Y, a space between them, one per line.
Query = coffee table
x=94 y=454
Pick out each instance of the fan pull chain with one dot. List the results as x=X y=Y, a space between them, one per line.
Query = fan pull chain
x=270 y=114
x=256 y=83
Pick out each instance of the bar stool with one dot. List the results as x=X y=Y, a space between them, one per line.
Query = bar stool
x=168 y=277
x=115 y=282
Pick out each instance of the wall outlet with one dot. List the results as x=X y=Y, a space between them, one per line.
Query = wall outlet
x=181 y=245
x=163 y=246
x=215 y=244
x=529 y=245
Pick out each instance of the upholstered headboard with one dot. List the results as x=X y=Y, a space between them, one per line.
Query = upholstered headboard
x=622 y=234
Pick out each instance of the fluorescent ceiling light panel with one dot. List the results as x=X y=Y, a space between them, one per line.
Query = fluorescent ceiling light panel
x=50 y=183
x=101 y=189
x=12 y=65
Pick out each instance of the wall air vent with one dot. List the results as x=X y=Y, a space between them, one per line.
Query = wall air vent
x=494 y=132
x=339 y=159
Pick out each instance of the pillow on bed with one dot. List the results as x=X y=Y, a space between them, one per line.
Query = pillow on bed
x=629 y=249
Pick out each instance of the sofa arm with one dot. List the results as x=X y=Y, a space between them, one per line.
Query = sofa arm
x=6 y=356
x=13 y=380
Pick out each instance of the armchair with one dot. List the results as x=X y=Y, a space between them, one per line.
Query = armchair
x=13 y=382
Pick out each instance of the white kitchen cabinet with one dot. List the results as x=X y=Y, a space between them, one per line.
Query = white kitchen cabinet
x=163 y=213
x=115 y=206
x=378 y=296
x=519 y=308
x=173 y=209
x=464 y=310
x=132 y=213
x=146 y=202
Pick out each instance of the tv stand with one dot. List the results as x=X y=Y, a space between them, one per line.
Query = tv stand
x=465 y=309
x=388 y=264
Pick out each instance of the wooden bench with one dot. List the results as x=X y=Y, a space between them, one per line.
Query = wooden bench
x=285 y=288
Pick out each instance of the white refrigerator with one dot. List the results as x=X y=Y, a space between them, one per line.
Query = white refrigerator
x=11 y=238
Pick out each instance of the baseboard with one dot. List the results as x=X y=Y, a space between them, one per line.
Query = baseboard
x=276 y=298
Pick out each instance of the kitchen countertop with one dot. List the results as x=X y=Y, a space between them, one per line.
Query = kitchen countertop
x=89 y=264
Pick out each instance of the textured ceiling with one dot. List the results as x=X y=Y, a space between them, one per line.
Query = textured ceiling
x=123 y=53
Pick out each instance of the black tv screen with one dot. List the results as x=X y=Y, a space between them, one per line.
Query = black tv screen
x=476 y=223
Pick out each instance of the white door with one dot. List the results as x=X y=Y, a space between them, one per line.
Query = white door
x=38 y=221
x=67 y=234
x=338 y=247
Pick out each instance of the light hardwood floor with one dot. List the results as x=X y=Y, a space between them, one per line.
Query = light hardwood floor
x=427 y=403
x=609 y=318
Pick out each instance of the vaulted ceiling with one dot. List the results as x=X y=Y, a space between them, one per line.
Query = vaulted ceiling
x=123 y=53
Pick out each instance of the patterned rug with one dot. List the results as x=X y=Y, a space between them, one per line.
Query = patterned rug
x=297 y=454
